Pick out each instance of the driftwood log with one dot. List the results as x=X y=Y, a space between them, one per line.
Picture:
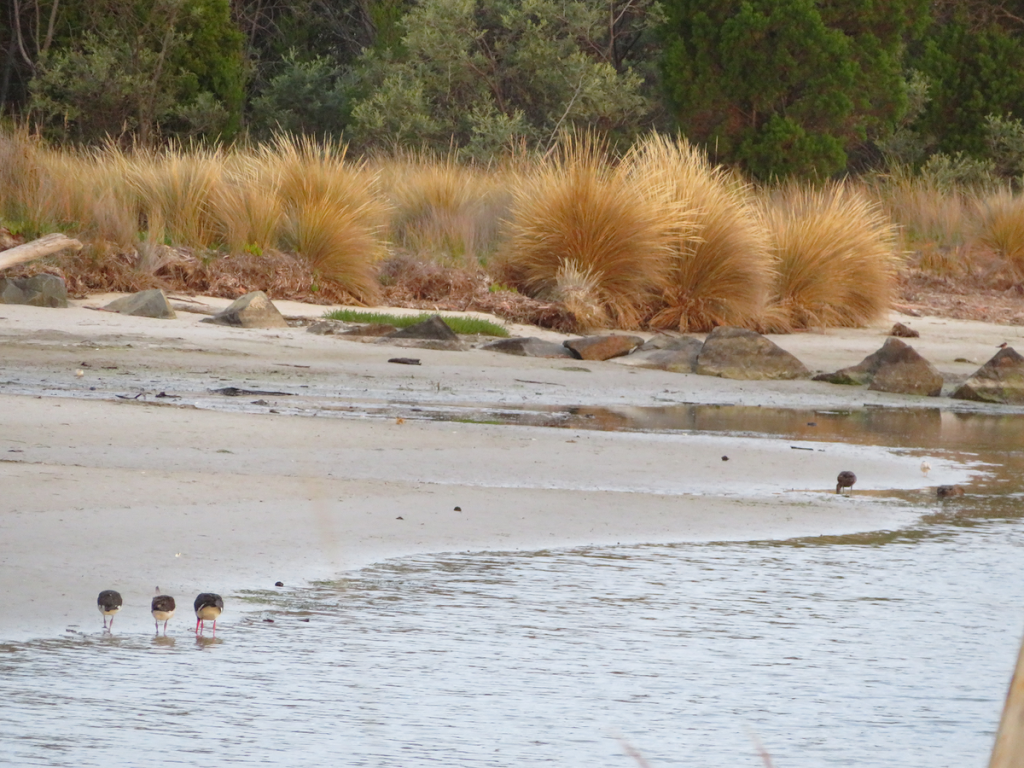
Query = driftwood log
x=36 y=249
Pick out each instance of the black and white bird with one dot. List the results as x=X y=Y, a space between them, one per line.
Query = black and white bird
x=845 y=480
x=162 y=609
x=208 y=607
x=109 y=603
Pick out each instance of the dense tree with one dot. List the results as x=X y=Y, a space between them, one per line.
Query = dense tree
x=972 y=59
x=480 y=74
x=130 y=67
x=785 y=87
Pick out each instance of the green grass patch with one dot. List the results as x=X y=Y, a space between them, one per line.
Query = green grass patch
x=467 y=325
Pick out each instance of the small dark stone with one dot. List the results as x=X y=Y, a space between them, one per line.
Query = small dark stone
x=812 y=423
x=268 y=621
x=904 y=332
x=725 y=458
x=458 y=509
x=405 y=360
x=433 y=328
x=278 y=583
x=399 y=518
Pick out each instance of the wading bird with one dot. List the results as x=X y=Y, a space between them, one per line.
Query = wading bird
x=109 y=603
x=208 y=607
x=162 y=609
x=926 y=467
x=846 y=479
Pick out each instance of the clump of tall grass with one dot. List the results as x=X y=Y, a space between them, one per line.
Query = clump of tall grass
x=174 y=188
x=443 y=210
x=999 y=225
x=721 y=265
x=835 y=258
x=591 y=234
x=330 y=214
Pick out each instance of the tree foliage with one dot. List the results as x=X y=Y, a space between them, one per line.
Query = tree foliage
x=481 y=74
x=785 y=87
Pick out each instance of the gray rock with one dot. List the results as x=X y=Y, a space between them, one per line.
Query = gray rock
x=527 y=346
x=896 y=367
x=662 y=341
x=736 y=353
x=1000 y=380
x=602 y=347
x=677 y=357
x=36 y=291
x=434 y=329
x=151 y=303
x=254 y=310
x=327 y=327
x=370 y=329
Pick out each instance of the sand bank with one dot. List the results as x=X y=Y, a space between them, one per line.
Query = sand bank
x=104 y=492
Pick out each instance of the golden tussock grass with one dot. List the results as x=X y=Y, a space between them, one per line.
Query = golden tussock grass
x=592 y=235
x=999 y=225
x=836 y=258
x=442 y=210
x=721 y=267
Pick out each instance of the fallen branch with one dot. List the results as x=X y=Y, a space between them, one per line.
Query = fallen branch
x=36 y=249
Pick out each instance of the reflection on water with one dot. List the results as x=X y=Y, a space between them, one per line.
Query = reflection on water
x=871 y=651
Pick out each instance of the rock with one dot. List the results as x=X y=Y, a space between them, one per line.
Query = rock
x=434 y=329
x=36 y=291
x=678 y=357
x=602 y=347
x=254 y=310
x=327 y=327
x=440 y=344
x=896 y=367
x=370 y=329
x=151 y=303
x=736 y=353
x=904 y=332
x=527 y=346
x=1000 y=380
x=662 y=341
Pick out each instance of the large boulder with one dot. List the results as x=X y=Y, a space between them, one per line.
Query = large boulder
x=527 y=346
x=254 y=310
x=1000 y=380
x=678 y=356
x=896 y=367
x=36 y=291
x=602 y=347
x=736 y=353
x=151 y=303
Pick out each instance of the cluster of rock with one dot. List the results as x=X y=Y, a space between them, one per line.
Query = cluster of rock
x=731 y=353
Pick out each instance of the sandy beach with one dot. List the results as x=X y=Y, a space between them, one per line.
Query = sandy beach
x=127 y=477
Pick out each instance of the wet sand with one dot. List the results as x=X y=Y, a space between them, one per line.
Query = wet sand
x=103 y=492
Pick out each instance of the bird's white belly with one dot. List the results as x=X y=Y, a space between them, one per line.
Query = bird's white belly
x=162 y=615
x=208 y=613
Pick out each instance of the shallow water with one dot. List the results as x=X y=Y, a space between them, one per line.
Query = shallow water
x=884 y=649
x=876 y=650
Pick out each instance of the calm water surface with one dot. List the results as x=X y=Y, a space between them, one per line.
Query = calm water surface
x=872 y=651
x=888 y=649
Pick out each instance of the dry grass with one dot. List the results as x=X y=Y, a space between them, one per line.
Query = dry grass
x=444 y=211
x=591 y=235
x=722 y=267
x=836 y=258
x=999 y=225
